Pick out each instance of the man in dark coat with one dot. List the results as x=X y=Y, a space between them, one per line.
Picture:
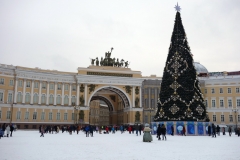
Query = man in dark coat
x=163 y=132
x=213 y=130
x=218 y=130
x=3 y=128
x=140 y=129
x=209 y=130
x=11 y=129
x=172 y=130
x=159 y=132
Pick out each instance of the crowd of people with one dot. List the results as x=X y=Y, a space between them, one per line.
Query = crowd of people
x=9 y=128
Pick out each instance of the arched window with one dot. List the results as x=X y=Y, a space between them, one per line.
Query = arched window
x=58 y=99
x=27 y=98
x=43 y=99
x=51 y=99
x=66 y=100
x=35 y=98
x=73 y=99
x=19 y=97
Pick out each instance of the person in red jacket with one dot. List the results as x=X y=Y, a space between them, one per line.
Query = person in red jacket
x=107 y=129
x=129 y=129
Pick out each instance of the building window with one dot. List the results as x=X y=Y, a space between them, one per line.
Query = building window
x=51 y=99
x=10 y=96
x=213 y=91
x=51 y=86
x=44 y=85
x=2 y=81
x=238 y=102
x=221 y=90
x=43 y=99
x=58 y=116
x=43 y=116
x=35 y=84
x=237 y=90
x=0 y=114
x=205 y=91
x=26 y=115
x=11 y=82
x=73 y=116
x=152 y=103
x=20 y=83
x=73 y=99
x=18 y=114
x=19 y=97
x=238 y=117
x=28 y=84
x=34 y=115
x=35 y=98
x=59 y=86
x=58 y=99
x=230 y=118
x=153 y=91
x=221 y=103
x=8 y=114
x=206 y=103
x=65 y=116
x=229 y=103
x=146 y=102
x=213 y=103
x=66 y=87
x=229 y=90
x=50 y=116
x=146 y=91
x=27 y=98
x=214 y=118
x=74 y=87
x=222 y=118
x=66 y=100
x=1 y=96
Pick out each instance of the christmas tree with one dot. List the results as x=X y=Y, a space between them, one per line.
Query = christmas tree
x=180 y=96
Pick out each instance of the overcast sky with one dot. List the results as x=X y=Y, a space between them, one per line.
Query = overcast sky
x=64 y=34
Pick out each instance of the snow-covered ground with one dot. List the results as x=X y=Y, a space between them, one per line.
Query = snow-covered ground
x=30 y=146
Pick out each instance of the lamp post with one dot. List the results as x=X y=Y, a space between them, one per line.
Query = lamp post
x=75 y=112
x=235 y=111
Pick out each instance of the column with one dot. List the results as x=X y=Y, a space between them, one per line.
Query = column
x=133 y=96
x=85 y=95
x=24 y=90
x=40 y=92
x=140 y=98
x=77 y=94
x=47 y=102
x=15 y=90
x=70 y=94
x=55 y=93
x=149 y=97
x=62 y=94
x=32 y=86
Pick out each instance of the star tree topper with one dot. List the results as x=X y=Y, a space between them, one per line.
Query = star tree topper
x=177 y=7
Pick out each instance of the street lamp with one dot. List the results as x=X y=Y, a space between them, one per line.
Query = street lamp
x=75 y=112
x=235 y=111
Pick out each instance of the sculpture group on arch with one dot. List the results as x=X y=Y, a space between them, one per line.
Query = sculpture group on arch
x=108 y=61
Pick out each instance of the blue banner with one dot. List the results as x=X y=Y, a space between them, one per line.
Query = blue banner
x=200 y=128
x=179 y=127
x=190 y=127
x=169 y=125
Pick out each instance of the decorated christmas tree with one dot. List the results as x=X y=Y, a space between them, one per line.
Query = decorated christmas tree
x=180 y=96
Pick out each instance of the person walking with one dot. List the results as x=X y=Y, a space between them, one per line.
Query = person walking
x=184 y=131
x=42 y=131
x=209 y=130
x=230 y=131
x=140 y=129
x=91 y=130
x=172 y=128
x=11 y=129
x=113 y=130
x=159 y=132
x=163 y=132
x=223 y=130
x=8 y=130
x=87 y=131
x=121 y=129
x=3 y=128
x=218 y=130
x=147 y=137
x=213 y=130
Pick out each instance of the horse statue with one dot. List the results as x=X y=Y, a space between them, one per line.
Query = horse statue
x=126 y=64
x=92 y=61
x=97 y=61
x=101 y=62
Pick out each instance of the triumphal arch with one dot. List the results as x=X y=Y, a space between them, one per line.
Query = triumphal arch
x=116 y=86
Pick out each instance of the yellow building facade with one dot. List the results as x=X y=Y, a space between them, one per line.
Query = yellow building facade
x=30 y=97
